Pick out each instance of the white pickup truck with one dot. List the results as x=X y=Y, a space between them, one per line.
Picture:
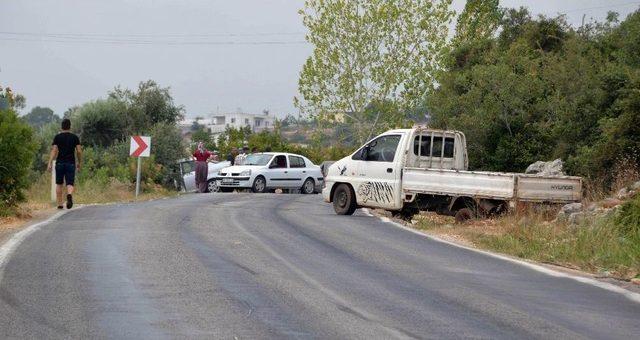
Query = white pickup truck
x=408 y=170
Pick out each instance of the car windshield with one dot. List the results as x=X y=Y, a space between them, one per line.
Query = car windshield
x=257 y=159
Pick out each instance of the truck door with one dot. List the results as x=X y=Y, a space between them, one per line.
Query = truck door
x=378 y=176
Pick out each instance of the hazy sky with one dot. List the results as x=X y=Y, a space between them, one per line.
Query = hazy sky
x=215 y=55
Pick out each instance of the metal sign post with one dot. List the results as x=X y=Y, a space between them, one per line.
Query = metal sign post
x=138 y=176
x=140 y=147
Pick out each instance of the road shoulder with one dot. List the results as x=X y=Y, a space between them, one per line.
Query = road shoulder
x=627 y=288
x=13 y=224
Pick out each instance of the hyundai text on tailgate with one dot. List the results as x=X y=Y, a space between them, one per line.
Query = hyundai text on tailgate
x=408 y=170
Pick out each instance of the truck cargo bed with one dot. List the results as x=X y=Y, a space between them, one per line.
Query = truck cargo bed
x=492 y=185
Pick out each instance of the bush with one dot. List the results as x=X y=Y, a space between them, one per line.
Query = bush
x=628 y=219
x=44 y=138
x=17 y=149
x=100 y=123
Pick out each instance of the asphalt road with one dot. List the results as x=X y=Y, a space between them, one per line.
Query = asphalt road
x=244 y=266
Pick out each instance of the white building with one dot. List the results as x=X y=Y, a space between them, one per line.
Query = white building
x=218 y=123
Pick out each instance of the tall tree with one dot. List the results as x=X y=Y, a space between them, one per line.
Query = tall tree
x=149 y=105
x=366 y=52
x=17 y=148
x=40 y=116
x=479 y=20
x=542 y=90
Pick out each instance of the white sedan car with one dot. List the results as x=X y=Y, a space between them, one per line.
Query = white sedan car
x=272 y=170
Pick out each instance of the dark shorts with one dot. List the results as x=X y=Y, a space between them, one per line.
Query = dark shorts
x=65 y=172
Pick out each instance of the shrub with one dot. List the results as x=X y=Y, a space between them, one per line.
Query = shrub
x=44 y=138
x=628 y=219
x=100 y=123
x=17 y=149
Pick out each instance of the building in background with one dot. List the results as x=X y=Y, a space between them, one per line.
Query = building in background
x=218 y=123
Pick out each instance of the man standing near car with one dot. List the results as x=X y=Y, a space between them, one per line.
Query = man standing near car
x=64 y=148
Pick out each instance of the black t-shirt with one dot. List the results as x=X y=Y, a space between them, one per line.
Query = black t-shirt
x=66 y=142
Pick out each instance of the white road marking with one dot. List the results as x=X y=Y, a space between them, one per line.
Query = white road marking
x=7 y=249
x=635 y=297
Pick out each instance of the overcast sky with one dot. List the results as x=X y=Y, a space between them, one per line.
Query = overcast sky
x=216 y=55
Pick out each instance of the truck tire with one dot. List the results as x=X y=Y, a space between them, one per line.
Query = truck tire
x=344 y=200
x=259 y=185
x=464 y=215
x=309 y=186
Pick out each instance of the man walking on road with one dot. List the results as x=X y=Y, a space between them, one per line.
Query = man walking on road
x=64 y=148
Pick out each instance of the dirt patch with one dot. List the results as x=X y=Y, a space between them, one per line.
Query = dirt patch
x=26 y=213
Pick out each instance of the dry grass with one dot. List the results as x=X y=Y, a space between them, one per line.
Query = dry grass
x=91 y=191
x=606 y=245
x=39 y=202
x=596 y=245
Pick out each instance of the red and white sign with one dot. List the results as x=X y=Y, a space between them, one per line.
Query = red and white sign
x=140 y=146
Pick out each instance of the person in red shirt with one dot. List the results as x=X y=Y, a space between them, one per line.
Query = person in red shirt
x=201 y=156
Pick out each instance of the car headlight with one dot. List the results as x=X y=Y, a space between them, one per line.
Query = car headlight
x=246 y=173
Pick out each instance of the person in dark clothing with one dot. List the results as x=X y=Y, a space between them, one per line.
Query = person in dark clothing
x=64 y=149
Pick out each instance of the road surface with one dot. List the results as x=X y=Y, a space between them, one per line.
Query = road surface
x=248 y=266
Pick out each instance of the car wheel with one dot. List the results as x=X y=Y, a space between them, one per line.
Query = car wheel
x=212 y=186
x=259 y=185
x=309 y=186
x=344 y=200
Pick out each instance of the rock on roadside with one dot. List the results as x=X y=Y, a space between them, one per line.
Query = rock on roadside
x=569 y=210
x=541 y=168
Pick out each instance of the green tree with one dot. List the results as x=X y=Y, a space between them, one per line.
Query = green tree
x=17 y=149
x=44 y=137
x=202 y=135
x=542 y=90
x=149 y=105
x=371 y=51
x=40 y=116
x=479 y=20
x=233 y=138
x=167 y=145
x=101 y=123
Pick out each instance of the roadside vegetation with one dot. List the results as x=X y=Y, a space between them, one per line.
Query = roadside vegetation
x=608 y=246
x=104 y=126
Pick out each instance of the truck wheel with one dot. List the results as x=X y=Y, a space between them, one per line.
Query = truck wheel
x=212 y=186
x=259 y=185
x=464 y=215
x=309 y=186
x=344 y=201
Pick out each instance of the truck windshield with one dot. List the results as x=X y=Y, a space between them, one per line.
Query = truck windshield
x=257 y=159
